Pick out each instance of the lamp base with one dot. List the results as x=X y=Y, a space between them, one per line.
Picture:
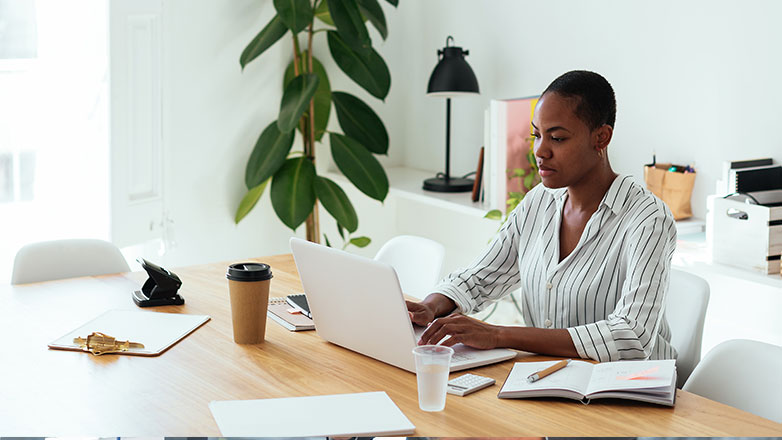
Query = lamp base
x=453 y=184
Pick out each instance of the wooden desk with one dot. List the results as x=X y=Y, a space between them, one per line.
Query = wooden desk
x=59 y=393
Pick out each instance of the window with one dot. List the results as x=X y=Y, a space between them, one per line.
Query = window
x=53 y=123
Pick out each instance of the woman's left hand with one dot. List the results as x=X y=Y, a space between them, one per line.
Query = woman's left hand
x=461 y=328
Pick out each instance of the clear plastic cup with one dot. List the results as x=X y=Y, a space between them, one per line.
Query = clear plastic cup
x=432 y=363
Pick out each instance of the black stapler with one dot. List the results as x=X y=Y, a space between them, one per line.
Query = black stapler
x=160 y=289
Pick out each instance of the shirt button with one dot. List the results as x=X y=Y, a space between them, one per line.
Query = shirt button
x=547 y=323
x=549 y=286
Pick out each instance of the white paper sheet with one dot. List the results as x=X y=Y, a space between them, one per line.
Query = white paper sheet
x=360 y=414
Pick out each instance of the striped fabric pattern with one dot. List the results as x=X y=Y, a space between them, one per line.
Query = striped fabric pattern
x=608 y=293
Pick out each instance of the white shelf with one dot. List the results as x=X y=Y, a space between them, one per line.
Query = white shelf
x=408 y=183
x=690 y=226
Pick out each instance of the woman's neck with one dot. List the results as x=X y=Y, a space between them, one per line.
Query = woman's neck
x=586 y=194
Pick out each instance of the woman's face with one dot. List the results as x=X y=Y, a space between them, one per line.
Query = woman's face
x=565 y=147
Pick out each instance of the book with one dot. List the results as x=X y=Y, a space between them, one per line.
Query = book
x=508 y=131
x=645 y=381
x=278 y=311
x=339 y=415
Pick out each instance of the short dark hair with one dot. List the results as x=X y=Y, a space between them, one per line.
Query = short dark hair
x=596 y=101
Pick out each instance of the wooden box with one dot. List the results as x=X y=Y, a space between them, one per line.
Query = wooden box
x=747 y=236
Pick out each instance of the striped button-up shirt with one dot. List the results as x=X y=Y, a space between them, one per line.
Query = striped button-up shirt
x=608 y=293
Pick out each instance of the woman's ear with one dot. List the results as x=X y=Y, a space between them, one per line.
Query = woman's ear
x=603 y=136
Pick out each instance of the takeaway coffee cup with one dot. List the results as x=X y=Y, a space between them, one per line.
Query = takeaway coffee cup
x=248 y=285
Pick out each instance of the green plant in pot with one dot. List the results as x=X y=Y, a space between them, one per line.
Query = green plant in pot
x=306 y=105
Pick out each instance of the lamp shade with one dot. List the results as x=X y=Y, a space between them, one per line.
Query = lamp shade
x=452 y=75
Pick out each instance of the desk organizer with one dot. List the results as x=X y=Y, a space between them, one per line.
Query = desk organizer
x=747 y=236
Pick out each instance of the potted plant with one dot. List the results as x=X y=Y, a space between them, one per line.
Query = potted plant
x=306 y=105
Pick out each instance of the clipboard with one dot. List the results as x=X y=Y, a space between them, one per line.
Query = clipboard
x=157 y=331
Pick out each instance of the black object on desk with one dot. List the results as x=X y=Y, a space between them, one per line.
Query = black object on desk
x=160 y=289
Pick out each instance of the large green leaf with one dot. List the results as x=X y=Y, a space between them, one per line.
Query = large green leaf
x=269 y=35
x=336 y=203
x=295 y=100
x=371 y=9
x=369 y=71
x=293 y=196
x=249 y=200
x=360 y=122
x=393 y=2
x=267 y=157
x=322 y=95
x=350 y=24
x=322 y=13
x=296 y=14
x=359 y=166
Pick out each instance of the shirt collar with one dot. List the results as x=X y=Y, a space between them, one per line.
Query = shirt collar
x=614 y=198
x=616 y=195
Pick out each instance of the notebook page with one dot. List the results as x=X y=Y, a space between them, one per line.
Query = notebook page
x=574 y=377
x=631 y=375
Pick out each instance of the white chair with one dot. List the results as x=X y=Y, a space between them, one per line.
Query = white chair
x=685 y=310
x=58 y=259
x=743 y=374
x=417 y=261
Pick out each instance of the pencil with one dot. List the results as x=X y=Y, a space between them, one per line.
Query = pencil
x=545 y=372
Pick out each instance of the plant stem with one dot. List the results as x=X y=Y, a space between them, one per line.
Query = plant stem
x=313 y=223
x=296 y=72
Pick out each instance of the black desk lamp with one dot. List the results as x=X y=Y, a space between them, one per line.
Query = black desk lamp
x=452 y=76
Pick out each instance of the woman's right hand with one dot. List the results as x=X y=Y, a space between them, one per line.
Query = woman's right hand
x=420 y=313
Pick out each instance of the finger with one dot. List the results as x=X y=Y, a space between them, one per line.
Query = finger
x=440 y=333
x=449 y=341
x=426 y=336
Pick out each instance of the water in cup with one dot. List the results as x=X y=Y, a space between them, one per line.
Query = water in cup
x=432 y=382
x=432 y=363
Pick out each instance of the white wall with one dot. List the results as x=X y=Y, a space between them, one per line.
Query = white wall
x=696 y=81
x=212 y=115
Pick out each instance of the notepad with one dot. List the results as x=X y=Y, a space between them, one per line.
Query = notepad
x=279 y=312
x=157 y=331
x=645 y=381
x=338 y=415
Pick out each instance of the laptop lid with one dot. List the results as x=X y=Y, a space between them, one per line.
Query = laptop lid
x=357 y=303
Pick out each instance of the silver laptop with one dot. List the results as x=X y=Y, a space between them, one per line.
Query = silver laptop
x=357 y=303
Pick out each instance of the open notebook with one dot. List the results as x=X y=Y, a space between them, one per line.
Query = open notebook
x=645 y=381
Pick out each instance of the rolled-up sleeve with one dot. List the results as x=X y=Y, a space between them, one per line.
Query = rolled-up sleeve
x=629 y=332
x=490 y=276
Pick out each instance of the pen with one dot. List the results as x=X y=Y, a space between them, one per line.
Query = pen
x=545 y=372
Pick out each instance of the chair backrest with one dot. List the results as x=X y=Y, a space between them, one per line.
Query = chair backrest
x=743 y=374
x=417 y=261
x=685 y=310
x=58 y=259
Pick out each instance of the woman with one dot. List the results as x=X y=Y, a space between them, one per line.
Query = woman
x=590 y=249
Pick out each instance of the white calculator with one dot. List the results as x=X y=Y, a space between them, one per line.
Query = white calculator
x=468 y=383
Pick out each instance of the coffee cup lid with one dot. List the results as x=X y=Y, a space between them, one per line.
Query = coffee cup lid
x=249 y=272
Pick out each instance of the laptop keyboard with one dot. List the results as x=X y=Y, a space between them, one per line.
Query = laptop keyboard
x=462 y=356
